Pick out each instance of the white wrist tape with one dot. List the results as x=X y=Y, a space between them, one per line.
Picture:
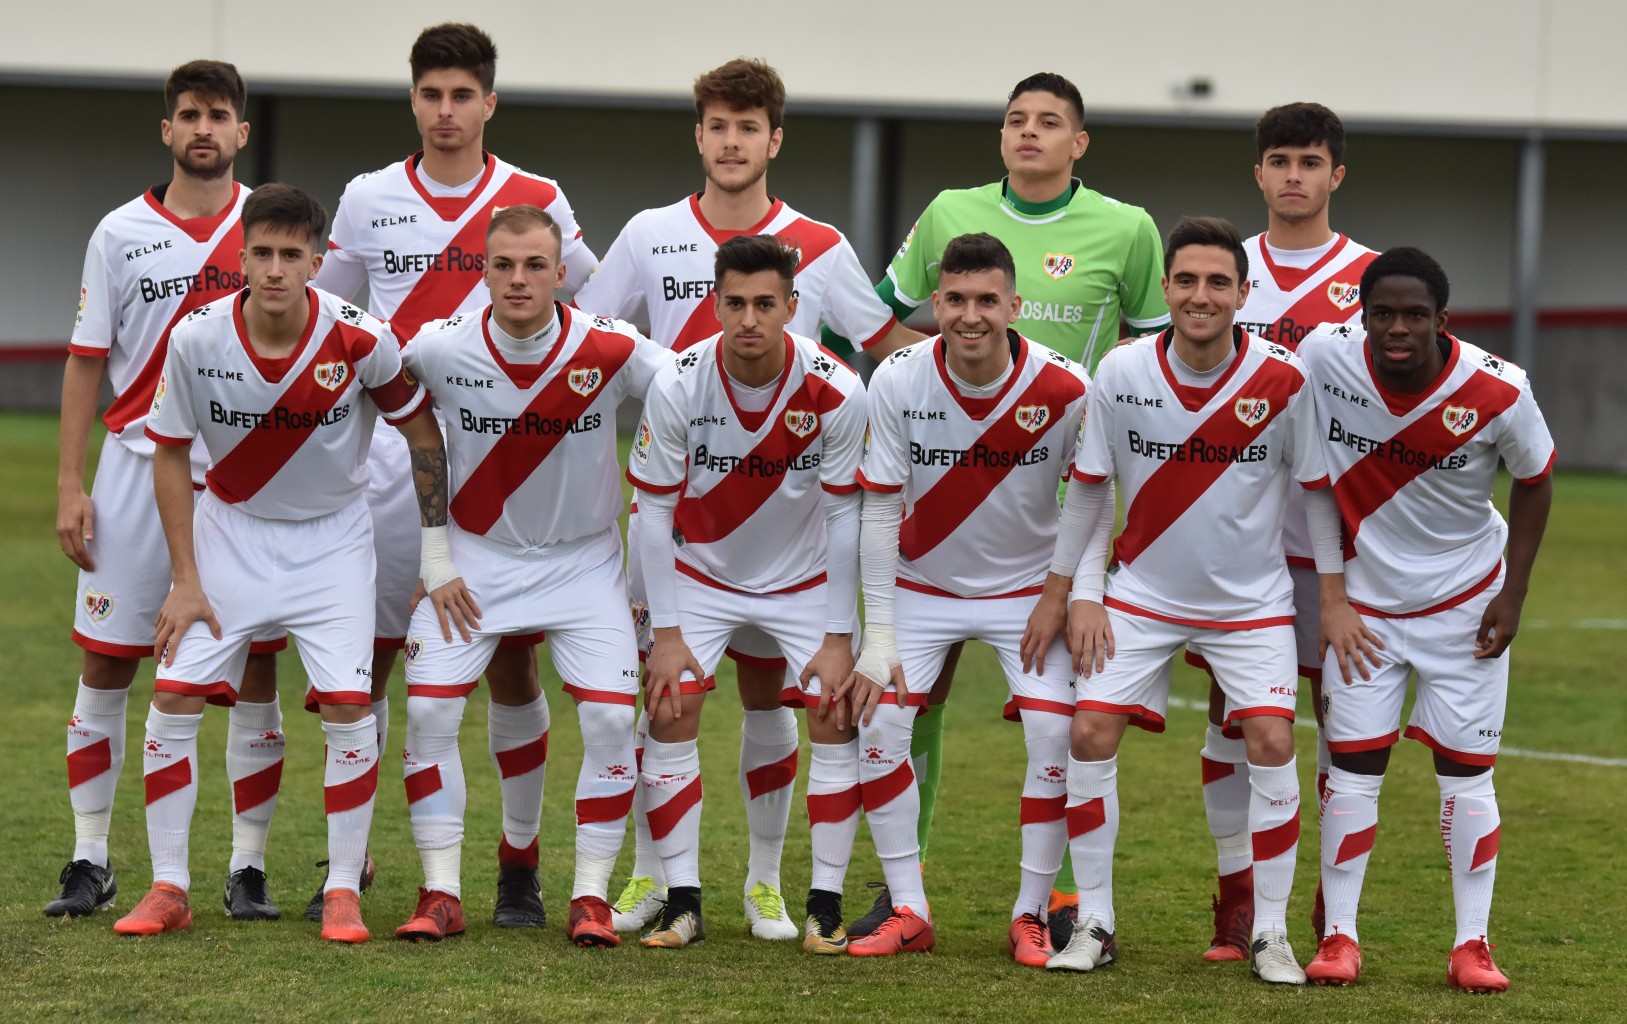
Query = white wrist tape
x=880 y=654
x=435 y=566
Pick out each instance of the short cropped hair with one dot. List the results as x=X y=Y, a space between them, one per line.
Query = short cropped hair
x=1405 y=261
x=1215 y=231
x=1056 y=85
x=455 y=45
x=283 y=206
x=751 y=254
x=522 y=218
x=1301 y=124
x=968 y=254
x=208 y=80
x=742 y=84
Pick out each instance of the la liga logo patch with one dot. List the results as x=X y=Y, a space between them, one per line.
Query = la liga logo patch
x=332 y=375
x=1252 y=411
x=1460 y=419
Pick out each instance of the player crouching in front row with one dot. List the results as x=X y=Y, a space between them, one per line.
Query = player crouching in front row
x=283 y=383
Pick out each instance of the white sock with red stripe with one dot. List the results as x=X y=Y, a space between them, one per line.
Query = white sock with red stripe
x=254 y=753
x=1093 y=831
x=95 y=757
x=892 y=802
x=518 y=740
x=436 y=793
x=646 y=863
x=169 y=772
x=1349 y=827
x=833 y=811
x=381 y=715
x=768 y=774
x=604 y=793
x=348 y=787
x=1470 y=829
x=1044 y=803
x=1273 y=821
x=1226 y=799
x=671 y=780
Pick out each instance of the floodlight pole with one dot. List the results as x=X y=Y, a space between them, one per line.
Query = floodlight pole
x=1528 y=249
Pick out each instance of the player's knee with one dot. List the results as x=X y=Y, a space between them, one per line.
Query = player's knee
x=1094 y=737
x=666 y=727
x=1362 y=762
x=1270 y=740
x=432 y=722
x=170 y=703
x=605 y=724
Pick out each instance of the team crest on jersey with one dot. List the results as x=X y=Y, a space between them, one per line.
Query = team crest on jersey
x=98 y=605
x=1460 y=419
x=641 y=444
x=1343 y=294
x=332 y=375
x=801 y=422
x=158 y=392
x=1252 y=411
x=414 y=647
x=1033 y=418
x=1058 y=264
x=585 y=380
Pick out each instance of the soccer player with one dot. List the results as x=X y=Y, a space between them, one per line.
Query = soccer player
x=745 y=468
x=414 y=233
x=1303 y=273
x=1205 y=428
x=529 y=389
x=659 y=272
x=282 y=382
x=165 y=253
x=1083 y=260
x=1415 y=421
x=970 y=433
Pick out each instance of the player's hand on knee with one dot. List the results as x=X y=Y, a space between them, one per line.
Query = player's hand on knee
x=1343 y=630
x=833 y=661
x=76 y=528
x=1497 y=626
x=1049 y=618
x=668 y=660
x=1090 y=637
x=455 y=606
x=185 y=605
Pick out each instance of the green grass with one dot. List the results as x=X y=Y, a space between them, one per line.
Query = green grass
x=1557 y=918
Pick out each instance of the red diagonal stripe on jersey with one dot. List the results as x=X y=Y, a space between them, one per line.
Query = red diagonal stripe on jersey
x=1375 y=478
x=479 y=500
x=438 y=293
x=265 y=450
x=665 y=818
x=1486 y=849
x=878 y=793
x=352 y=793
x=1214 y=771
x=962 y=489
x=254 y=790
x=137 y=399
x=1042 y=810
x=1356 y=844
x=834 y=808
x=769 y=777
x=525 y=758
x=1276 y=840
x=1086 y=817
x=89 y=761
x=600 y=809
x=168 y=779
x=1175 y=487
x=1314 y=307
x=710 y=517
x=423 y=783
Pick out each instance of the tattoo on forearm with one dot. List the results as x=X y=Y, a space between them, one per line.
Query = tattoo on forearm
x=429 y=477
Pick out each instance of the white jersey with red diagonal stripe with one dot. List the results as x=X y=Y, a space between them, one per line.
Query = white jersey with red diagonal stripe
x=425 y=254
x=1413 y=473
x=145 y=269
x=979 y=476
x=1204 y=474
x=750 y=512
x=532 y=446
x=287 y=438
x=659 y=271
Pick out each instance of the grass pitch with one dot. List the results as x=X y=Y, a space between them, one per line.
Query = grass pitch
x=1557 y=919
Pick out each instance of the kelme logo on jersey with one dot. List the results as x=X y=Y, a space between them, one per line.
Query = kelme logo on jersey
x=1058 y=264
x=413 y=647
x=332 y=375
x=585 y=381
x=801 y=422
x=1343 y=294
x=641 y=444
x=1460 y=419
x=1033 y=418
x=1252 y=411
x=98 y=605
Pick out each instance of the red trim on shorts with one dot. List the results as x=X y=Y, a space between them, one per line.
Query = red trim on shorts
x=690 y=687
x=1460 y=756
x=701 y=577
x=798 y=699
x=1531 y=481
x=1231 y=732
x=1311 y=672
x=752 y=661
x=389 y=643
x=435 y=690
x=269 y=646
x=1262 y=711
x=219 y=693
x=923 y=588
x=1451 y=602
x=1141 y=716
x=1301 y=562
x=314 y=698
x=1012 y=712
x=112 y=650
x=510 y=641
x=1362 y=746
x=600 y=696
x=1130 y=609
x=1197 y=661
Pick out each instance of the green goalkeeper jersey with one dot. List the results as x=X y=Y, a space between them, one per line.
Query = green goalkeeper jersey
x=1083 y=260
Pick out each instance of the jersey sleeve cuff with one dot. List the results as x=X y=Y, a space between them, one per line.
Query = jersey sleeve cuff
x=645 y=485
x=1531 y=481
x=94 y=351
x=1089 y=478
x=164 y=439
x=417 y=409
x=886 y=328
x=398 y=400
x=839 y=488
x=1315 y=485
x=1157 y=321
x=878 y=488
